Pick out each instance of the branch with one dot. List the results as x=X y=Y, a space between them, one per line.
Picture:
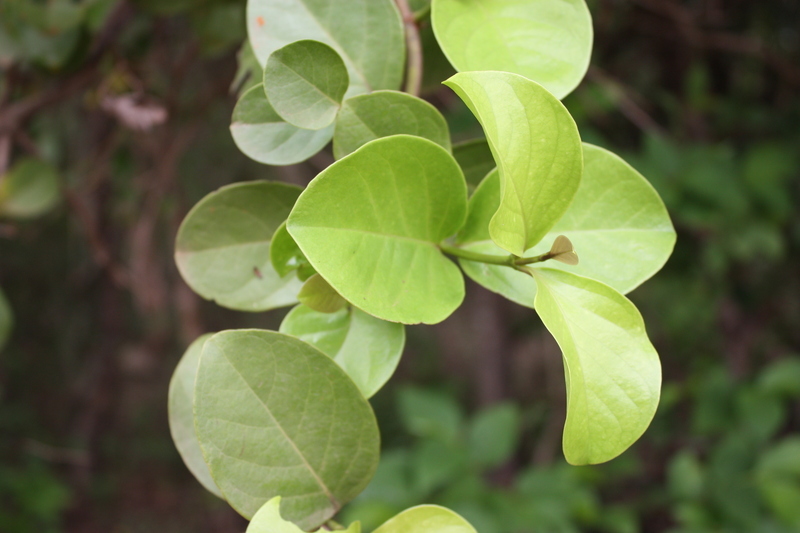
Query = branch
x=414 y=47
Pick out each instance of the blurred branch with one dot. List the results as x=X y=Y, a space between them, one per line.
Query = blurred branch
x=622 y=95
x=414 y=46
x=685 y=21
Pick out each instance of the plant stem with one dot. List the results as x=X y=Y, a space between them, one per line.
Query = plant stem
x=504 y=260
x=414 y=49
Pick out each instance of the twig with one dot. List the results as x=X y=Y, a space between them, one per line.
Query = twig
x=414 y=47
x=627 y=105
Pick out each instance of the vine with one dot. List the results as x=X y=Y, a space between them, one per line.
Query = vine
x=279 y=423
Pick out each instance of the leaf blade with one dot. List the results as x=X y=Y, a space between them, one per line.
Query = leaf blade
x=259 y=445
x=612 y=371
x=547 y=41
x=539 y=155
x=426 y=519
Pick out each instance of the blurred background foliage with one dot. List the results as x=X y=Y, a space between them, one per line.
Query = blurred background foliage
x=114 y=121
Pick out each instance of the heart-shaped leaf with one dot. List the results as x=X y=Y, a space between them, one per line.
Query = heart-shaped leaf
x=547 y=41
x=383 y=113
x=222 y=247
x=612 y=371
x=181 y=416
x=367 y=34
x=367 y=348
x=305 y=82
x=261 y=134
x=370 y=225
x=268 y=520
x=277 y=417
x=426 y=519
x=617 y=224
x=537 y=148
x=6 y=319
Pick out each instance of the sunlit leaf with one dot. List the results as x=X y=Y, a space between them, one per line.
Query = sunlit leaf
x=305 y=82
x=383 y=113
x=370 y=225
x=261 y=134
x=6 y=320
x=277 y=417
x=318 y=295
x=222 y=247
x=537 y=149
x=617 y=224
x=268 y=520
x=29 y=189
x=426 y=519
x=612 y=371
x=181 y=417
x=367 y=34
x=547 y=41
x=367 y=348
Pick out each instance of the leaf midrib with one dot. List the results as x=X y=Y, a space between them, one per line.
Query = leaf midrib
x=302 y=457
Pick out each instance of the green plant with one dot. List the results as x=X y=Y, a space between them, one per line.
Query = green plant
x=280 y=427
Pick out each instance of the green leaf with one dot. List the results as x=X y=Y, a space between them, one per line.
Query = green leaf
x=277 y=417
x=617 y=224
x=517 y=286
x=249 y=72
x=222 y=247
x=537 y=148
x=261 y=134
x=284 y=254
x=367 y=348
x=426 y=519
x=6 y=319
x=370 y=224
x=268 y=520
x=383 y=113
x=30 y=189
x=181 y=417
x=493 y=435
x=367 y=34
x=475 y=159
x=547 y=41
x=305 y=82
x=320 y=296
x=612 y=370
x=429 y=414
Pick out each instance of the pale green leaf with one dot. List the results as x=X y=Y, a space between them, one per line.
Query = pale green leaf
x=367 y=34
x=261 y=134
x=367 y=348
x=29 y=189
x=6 y=319
x=181 y=416
x=475 y=159
x=617 y=224
x=284 y=254
x=318 y=295
x=268 y=520
x=494 y=434
x=547 y=41
x=222 y=247
x=383 y=113
x=305 y=82
x=613 y=373
x=370 y=224
x=426 y=519
x=277 y=417
x=537 y=148
x=517 y=286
